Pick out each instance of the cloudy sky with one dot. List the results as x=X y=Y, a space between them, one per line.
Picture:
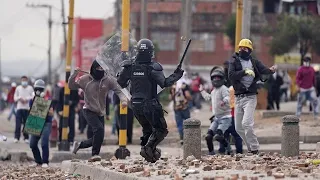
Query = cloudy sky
x=24 y=32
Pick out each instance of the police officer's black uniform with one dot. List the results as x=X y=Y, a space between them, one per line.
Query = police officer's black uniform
x=144 y=75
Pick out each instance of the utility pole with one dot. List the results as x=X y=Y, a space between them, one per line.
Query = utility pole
x=238 y=23
x=118 y=14
x=50 y=34
x=64 y=26
x=143 y=19
x=64 y=144
x=186 y=30
x=122 y=152
x=246 y=19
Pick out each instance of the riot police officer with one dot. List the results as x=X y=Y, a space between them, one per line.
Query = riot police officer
x=144 y=75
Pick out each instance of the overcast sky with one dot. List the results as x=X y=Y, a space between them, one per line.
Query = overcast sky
x=21 y=26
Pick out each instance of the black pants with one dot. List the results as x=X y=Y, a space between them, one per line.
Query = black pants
x=71 y=125
x=236 y=137
x=97 y=124
x=273 y=98
x=82 y=121
x=21 y=118
x=154 y=126
x=129 y=123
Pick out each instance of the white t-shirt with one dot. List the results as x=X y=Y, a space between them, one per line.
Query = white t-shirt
x=26 y=93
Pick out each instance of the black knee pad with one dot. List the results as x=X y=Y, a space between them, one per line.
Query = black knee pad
x=209 y=136
x=219 y=132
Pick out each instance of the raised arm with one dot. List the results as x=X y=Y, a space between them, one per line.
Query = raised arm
x=72 y=83
x=161 y=80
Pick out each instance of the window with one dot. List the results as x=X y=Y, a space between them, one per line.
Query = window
x=256 y=40
x=165 y=40
x=203 y=42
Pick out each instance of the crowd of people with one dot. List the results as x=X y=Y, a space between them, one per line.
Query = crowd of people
x=233 y=96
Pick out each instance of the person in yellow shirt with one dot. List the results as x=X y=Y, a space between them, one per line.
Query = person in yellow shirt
x=232 y=130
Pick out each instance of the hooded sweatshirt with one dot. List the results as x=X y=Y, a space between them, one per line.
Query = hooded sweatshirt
x=95 y=91
x=220 y=99
x=305 y=77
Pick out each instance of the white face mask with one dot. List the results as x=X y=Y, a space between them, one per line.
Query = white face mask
x=306 y=63
x=39 y=93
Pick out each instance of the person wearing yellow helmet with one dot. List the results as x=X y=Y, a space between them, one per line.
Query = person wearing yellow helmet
x=244 y=72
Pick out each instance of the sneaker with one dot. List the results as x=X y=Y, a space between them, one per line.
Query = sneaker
x=94 y=158
x=26 y=141
x=254 y=152
x=15 y=140
x=45 y=165
x=212 y=153
x=75 y=147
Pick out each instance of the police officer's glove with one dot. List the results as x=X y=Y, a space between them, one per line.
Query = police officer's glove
x=179 y=71
x=249 y=72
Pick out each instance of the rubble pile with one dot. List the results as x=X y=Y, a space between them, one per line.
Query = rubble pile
x=18 y=171
x=244 y=167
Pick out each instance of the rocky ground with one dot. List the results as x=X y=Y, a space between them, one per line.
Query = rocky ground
x=219 y=167
x=24 y=171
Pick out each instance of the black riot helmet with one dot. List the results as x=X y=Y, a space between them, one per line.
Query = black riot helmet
x=217 y=76
x=145 y=50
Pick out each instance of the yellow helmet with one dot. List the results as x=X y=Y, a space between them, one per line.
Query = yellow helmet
x=245 y=43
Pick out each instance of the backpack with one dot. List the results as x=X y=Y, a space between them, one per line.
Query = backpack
x=180 y=100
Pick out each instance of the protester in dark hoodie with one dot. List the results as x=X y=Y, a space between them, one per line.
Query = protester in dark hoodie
x=96 y=86
x=305 y=79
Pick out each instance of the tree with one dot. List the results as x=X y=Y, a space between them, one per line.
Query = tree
x=296 y=30
x=231 y=29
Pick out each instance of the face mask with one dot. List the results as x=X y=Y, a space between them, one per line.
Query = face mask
x=306 y=63
x=97 y=74
x=39 y=93
x=24 y=83
x=244 y=54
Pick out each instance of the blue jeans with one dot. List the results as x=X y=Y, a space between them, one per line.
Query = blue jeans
x=180 y=116
x=310 y=96
x=44 y=145
x=12 y=110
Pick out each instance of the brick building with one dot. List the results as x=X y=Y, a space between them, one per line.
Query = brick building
x=210 y=45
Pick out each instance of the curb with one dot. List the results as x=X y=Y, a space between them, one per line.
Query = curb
x=270 y=113
x=96 y=173
x=262 y=140
x=59 y=156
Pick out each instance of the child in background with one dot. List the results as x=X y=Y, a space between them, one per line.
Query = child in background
x=221 y=111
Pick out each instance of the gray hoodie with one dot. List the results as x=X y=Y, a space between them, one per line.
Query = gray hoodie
x=95 y=92
x=218 y=96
